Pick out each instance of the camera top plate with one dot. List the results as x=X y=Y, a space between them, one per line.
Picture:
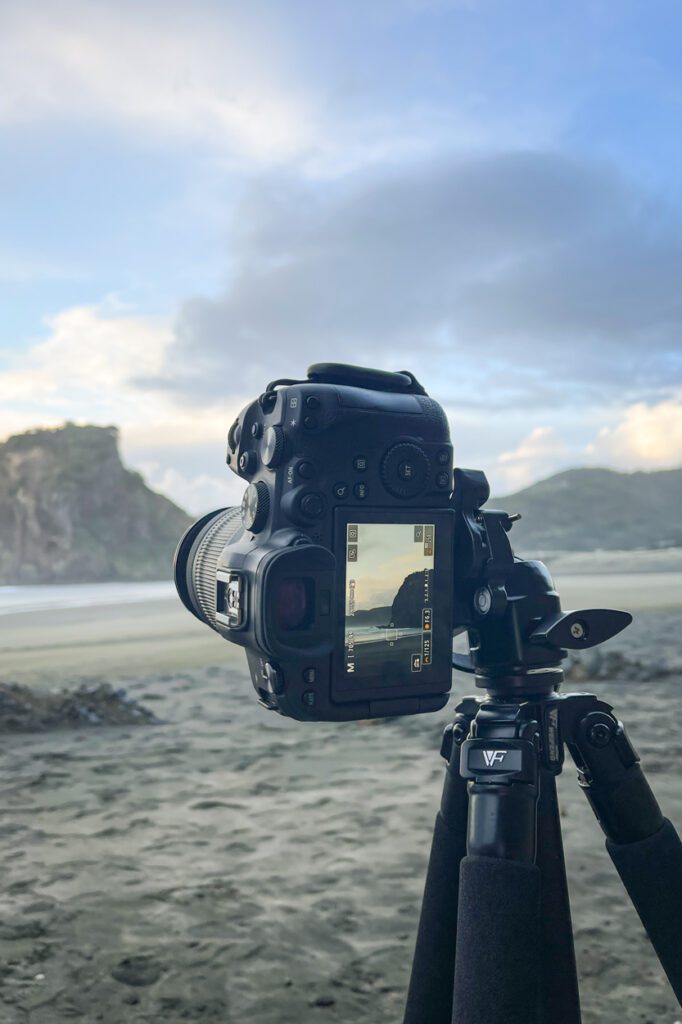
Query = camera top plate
x=363 y=377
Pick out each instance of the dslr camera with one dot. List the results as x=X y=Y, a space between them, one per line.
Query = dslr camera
x=356 y=553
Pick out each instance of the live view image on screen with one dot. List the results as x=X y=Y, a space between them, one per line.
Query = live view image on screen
x=389 y=582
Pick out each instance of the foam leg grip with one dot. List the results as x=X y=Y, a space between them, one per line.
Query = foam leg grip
x=498 y=943
x=651 y=871
x=429 y=999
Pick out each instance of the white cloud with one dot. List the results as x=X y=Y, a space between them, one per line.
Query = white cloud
x=83 y=371
x=87 y=356
x=649 y=436
x=167 y=69
x=538 y=454
x=198 y=493
x=641 y=436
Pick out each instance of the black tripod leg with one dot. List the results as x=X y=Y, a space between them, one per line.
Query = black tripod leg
x=429 y=999
x=559 y=997
x=497 y=963
x=643 y=845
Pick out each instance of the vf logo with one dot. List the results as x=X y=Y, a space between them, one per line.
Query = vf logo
x=492 y=757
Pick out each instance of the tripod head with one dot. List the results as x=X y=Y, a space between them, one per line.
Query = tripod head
x=518 y=634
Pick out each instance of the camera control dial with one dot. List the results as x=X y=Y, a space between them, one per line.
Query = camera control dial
x=273 y=446
x=255 y=506
x=405 y=470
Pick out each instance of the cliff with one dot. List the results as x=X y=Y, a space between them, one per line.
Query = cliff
x=71 y=512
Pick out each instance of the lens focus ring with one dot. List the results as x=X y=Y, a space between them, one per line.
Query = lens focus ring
x=205 y=561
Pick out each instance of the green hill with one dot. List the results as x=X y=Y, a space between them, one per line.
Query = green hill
x=71 y=512
x=588 y=509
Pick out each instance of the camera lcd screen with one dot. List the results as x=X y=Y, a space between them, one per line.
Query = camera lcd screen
x=389 y=600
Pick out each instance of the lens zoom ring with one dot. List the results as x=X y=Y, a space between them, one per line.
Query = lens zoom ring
x=206 y=560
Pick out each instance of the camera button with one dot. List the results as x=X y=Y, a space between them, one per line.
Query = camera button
x=257 y=430
x=341 y=490
x=273 y=678
x=306 y=470
x=361 y=491
x=248 y=461
x=312 y=402
x=309 y=675
x=360 y=463
x=255 y=506
x=310 y=422
x=443 y=479
x=273 y=447
x=443 y=457
x=308 y=698
x=312 y=506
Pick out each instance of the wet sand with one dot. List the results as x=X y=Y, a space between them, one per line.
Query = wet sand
x=233 y=866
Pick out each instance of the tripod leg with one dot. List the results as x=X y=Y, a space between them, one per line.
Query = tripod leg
x=429 y=999
x=559 y=997
x=497 y=964
x=643 y=845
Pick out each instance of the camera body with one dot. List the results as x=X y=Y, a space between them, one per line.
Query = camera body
x=337 y=573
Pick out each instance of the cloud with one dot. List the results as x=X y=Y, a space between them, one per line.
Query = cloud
x=82 y=370
x=168 y=70
x=537 y=455
x=643 y=436
x=527 y=276
x=648 y=436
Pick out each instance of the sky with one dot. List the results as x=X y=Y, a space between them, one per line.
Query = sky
x=198 y=198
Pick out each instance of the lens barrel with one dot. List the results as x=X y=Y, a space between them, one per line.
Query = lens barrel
x=196 y=560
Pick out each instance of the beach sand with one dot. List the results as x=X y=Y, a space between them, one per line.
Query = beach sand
x=230 y=865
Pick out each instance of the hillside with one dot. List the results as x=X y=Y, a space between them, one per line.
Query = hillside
x=71 y=512
x=586 y=509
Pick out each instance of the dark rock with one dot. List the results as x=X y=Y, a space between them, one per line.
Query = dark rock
x=25 y=710
x=137 y=971
x=614 y=665
x=323 y=1001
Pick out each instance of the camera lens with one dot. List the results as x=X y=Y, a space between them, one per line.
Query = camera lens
x=196 y=559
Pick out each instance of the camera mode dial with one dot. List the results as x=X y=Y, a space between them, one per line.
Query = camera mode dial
x=255 y=506
x=273 y=446
x=405 y=470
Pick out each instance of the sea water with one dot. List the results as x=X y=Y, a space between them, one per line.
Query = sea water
x=80 y=595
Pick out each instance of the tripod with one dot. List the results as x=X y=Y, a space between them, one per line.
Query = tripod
x=495 y=943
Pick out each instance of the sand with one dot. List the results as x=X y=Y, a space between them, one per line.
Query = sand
x=233 y=866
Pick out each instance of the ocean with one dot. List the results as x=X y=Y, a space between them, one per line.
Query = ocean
x=49 y=597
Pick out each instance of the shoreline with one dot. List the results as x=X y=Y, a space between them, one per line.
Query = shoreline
x=157 y=634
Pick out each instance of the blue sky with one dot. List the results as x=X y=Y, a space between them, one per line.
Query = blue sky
x=195 y=199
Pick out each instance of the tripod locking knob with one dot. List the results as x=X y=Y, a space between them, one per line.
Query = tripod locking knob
x=578 y=629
